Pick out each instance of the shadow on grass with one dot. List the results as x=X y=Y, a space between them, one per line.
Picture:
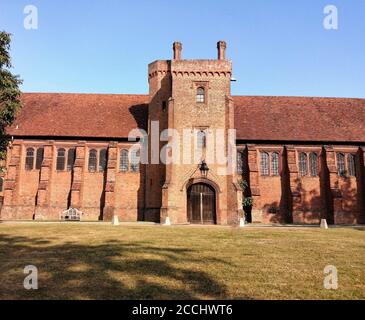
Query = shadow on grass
x=116 y=270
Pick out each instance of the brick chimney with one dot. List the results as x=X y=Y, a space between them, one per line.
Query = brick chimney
x=177 y=46
x=221 y=46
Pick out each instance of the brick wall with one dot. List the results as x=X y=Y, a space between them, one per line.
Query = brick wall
x=45 y=193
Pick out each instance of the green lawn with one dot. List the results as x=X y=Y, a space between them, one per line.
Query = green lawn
x=101 y=261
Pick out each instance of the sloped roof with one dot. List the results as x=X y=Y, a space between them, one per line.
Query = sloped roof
x=256 y=117
x=300 y=119
x=80 y=115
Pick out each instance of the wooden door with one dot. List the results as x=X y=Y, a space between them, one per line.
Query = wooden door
x=201 y=204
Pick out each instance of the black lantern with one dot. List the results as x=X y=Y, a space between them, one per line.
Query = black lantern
x=203 y=167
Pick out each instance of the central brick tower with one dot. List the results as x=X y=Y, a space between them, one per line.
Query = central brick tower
x=192 y=99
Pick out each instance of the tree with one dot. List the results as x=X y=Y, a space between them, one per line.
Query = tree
x=9 y=92
x=247 y=200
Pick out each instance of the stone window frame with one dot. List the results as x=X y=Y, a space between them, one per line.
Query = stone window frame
x=97 y=147
x=264 y=169
x=239 y=161
x=39 y=157
x=346 y=172
x=102 y=159
x=27 y=166
x=67 y=148
x=61 y=158
x=303 y=164
x=35 y=153
x=201 y=152
x=95 y=170
x=120 y=154
x=277 y=169
x=310 y=168
x=270 y=152
x=351 y=171
x=134 y=168
x=308 y=151
x=71 y=158
x=205 y=86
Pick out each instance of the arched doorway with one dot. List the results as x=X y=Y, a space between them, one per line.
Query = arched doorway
x=201 y=204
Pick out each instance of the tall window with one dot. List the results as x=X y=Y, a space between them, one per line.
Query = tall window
x=239 y=162
x=351 y=165
x=275 y=164
x=71 y=157
x=264 y=163
x=200 y=95
x=135 y=159
x=303 y=164
x=92 y=160
x=102 y=160
x=61 y=157
x=201 y=140
x=313 y=164
x=1 y=184
x=39 y=158
x=341 y=164
x=124 y=161
x=29 y=159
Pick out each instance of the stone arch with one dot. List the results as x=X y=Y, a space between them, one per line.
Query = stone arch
x=201 y=202
x=210 y=182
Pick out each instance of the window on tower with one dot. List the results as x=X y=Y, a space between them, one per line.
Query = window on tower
x=200 y=95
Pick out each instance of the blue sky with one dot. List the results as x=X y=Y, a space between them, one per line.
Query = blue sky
x=278 y=47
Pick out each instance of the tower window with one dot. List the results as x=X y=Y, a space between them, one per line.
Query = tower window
x=200 y=95
x=164 y=106
x=201 y=140
x=92 y=160
x=29 y=159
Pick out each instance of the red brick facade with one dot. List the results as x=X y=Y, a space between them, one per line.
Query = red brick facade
x=303 y=158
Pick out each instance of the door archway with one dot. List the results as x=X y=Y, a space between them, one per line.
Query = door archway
x=201 y=204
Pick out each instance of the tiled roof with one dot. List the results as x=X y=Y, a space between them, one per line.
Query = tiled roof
x=300 y=119
x=80 y=115
x=256 y=117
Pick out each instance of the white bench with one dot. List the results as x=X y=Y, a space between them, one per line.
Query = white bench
x=71 y=214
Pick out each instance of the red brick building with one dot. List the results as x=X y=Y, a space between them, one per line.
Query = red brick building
x=301 y=158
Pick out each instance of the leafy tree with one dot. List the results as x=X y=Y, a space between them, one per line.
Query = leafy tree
x=9 y=92
x=247 y=201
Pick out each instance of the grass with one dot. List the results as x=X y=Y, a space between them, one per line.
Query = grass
x=100 y=261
